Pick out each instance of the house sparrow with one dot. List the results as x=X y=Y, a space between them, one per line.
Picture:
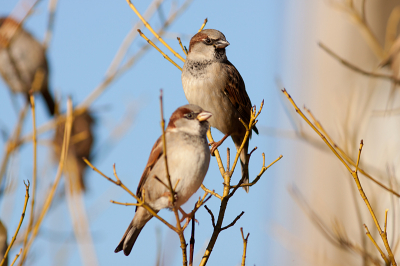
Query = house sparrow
x=188 y=160
x=21 y=57
x=210 y=81
x=80 y=145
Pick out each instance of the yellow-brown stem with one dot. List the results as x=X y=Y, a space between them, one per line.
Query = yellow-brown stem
x=19 y=225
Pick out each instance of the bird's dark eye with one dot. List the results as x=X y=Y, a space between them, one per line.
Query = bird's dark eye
x=207 y=41
x=190 y=116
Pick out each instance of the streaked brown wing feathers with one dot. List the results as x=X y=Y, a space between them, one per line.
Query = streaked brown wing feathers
x=155 y=154
x=236 y=91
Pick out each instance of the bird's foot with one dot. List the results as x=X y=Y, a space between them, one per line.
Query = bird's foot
x=215 y=145
x=186 y=216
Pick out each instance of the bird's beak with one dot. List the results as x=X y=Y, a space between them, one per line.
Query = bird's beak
x=221 y=44
x=204 y=115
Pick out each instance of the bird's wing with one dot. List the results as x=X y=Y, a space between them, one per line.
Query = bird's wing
x=155 y=154
x=235 y=90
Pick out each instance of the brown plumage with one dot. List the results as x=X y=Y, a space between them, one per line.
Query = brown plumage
x=210 y=81
x=21 y=58
x=81 y=143
x=188 y=160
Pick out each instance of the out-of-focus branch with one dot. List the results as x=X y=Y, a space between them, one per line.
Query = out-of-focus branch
x=12 y=142
x=357 y=69
x=34 y=140
x=130 y=37
x=109 y=77
x=391 y=28
x=50 y=23
x=50 y=196
x=360 y=21
x=19 y=225
x=335 y=235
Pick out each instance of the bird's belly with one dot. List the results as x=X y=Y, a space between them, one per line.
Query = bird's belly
x=207 y=94
x=193 y=166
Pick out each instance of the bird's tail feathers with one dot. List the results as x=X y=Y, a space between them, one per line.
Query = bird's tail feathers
x=51 y=106
x=128 y=240
x=244 y=163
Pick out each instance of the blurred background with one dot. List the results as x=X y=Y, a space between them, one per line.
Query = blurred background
x=305 y=210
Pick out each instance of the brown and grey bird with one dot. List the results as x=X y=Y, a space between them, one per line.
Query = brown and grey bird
x=22 y=58
x=188 y=159
x=210 y=81
x=80 y=145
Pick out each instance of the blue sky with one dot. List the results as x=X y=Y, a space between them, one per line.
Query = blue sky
x=87 y=35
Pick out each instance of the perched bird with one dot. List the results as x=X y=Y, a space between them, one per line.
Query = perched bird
x=80 y=145
x=210 y=81
x=22 y=58
x=188 y=159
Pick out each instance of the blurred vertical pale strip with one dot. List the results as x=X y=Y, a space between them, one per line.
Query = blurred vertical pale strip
x=343 y=101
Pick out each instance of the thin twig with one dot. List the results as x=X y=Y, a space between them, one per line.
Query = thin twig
x=245 y=240
x=211 y=214
x=263 y=169
x=19 y=225
x=212 y=192
x=376 y=245
x=183 y=48
x=233 y=222
x=204 y=24
x=125 y=204
x=386 y=213
x=153 y=32
x=159 y=50
x=192 y=241
x=197 y=206
x=228 y=159
x=142 y=203
x=251 y=125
